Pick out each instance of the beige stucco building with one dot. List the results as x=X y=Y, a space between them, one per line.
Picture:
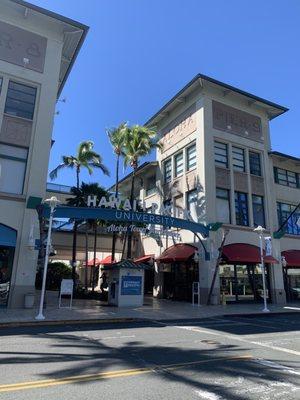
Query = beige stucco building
x=37 y=51
x=217 y=163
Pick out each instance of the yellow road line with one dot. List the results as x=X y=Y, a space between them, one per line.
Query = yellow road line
x=109 y=375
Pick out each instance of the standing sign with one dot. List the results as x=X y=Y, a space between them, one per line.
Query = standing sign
x=131 y=285
x=66 y=288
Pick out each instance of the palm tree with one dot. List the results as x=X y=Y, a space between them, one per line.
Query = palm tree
x=86 y=158
x=79 y=199
x=139 y=142
x=117 y=139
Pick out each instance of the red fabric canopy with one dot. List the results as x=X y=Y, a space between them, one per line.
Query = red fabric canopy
x=91 y=262
x=106 y=261
x=292 y=257
x=243 y=253
x=178 y=252
x=145 y=258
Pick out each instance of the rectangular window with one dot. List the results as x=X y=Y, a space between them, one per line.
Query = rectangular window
x=258 y=210
x=284 y=211
x=286 y=178
x=20 y=100
x=254 y=162
x=1 y=84
x=241 y=208
x=223 y=205
x=221 y=154
x=178 y=164
x=191 y=204
x=191 y=159
x=238 y=159
x=168 y=171
x=12 y=168
x=151 y=186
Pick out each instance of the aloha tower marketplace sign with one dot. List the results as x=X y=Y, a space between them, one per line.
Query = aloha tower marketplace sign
x=121 y=210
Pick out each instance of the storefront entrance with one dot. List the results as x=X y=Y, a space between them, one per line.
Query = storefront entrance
x=292 y=283
x=243 y=283
x=178 y=281
x=7 y=250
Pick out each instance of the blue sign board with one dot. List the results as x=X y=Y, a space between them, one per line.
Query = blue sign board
x=126 y=216
x=131 y=285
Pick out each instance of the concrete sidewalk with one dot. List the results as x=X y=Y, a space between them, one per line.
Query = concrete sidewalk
x=153 y=309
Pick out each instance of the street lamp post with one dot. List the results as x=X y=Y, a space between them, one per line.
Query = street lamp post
x=260 y=231
x=52 y=203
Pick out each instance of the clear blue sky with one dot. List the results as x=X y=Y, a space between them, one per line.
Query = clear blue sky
x=139 y=53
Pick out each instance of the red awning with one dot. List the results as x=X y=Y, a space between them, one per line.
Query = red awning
x=106 y=261
x=178 y=252
x=243 y=253
x=292 y=258
x=145 y=258
x=91 y=262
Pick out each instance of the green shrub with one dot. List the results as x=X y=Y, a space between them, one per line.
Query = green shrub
x=56 y=272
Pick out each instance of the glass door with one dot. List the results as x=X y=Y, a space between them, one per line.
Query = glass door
x=6 y=264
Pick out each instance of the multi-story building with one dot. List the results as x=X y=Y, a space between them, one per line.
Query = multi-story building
x=37 y=52
x=218 y=164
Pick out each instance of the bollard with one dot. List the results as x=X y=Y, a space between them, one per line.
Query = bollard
x=223 y=299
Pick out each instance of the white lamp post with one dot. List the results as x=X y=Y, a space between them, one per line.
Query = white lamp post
x=52 y=203
x=260 y=231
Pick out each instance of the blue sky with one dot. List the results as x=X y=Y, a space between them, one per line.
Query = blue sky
x=139 y=53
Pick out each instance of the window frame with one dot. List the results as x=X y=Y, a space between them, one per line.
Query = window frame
x=242 y=205
x=176 y=175
x=251 y=165
x=284 y=179
x=191 y=167
x=165 y=162
x=16 y=159
x=219 y=163
x=227 y=199
x=236 y=160
x=262 y=204
x=10 y=98
x=291 y=228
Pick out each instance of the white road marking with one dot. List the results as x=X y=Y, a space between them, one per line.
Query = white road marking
x=293 y=308
x=274 y=365
x=236 y=338
x=203 y=394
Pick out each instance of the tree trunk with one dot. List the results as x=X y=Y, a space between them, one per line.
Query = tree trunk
x=216 y=268
x=74 y=248
x=129 y=248
x=86 y=257
x=95 y=251
x=114 y=237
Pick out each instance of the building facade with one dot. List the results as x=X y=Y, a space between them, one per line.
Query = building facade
x=37 y=51
x=217 y=163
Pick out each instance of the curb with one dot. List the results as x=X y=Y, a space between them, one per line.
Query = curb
x=67 y=322
x=259 y=314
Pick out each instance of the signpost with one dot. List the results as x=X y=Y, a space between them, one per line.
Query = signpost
x=66 y=289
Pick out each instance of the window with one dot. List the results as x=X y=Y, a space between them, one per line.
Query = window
x=20 y=100
x=221 y=154
x=151 y=186
x=238 y=159
x=178 y=164
x=254 y=162
x=286 y=178
x=191 y=203
x=1 y=84
x=258 y=210
x=223 y=205
x=12 y=169
x=241 y=209
x=168 y=171
x=283 y=211
x=191 y=157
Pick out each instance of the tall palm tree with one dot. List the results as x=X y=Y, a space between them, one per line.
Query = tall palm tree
x=79 y=199
x=86 y=158
x=139 y=142
x=117 y=139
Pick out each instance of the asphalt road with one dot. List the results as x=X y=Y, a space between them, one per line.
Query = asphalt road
x=230 y=358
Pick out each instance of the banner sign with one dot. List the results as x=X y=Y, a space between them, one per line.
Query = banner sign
x=132 y=217
x=66 y=286
x=131 y=285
